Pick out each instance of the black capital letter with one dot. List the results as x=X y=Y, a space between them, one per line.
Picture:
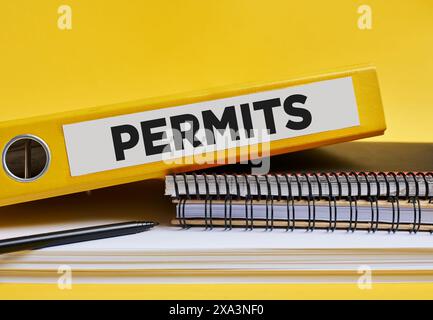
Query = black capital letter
x=228 y=119
x=297 y=112
x=248 y=123
x=267 y=106
x=149 y=137
x=175 y=124
x=119 y=145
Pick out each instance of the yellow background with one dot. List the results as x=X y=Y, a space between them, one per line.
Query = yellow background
x=127 y=50
x=219 y=291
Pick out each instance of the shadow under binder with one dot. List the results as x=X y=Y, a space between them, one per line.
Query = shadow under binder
x=351 y=156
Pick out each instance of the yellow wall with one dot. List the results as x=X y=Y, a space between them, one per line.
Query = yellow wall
x=125 y=50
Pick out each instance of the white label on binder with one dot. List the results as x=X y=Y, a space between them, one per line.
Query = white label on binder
x=188 y=130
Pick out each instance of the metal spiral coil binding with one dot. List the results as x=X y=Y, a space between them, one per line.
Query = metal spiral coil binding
x=369 y=186
x=349 y=199
x=269 y=198
x=248 y=199
x=228 y=199
x=208 y=223
x=310 y=198
x=290 y=226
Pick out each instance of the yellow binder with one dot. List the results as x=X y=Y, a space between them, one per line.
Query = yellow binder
x=103 y=146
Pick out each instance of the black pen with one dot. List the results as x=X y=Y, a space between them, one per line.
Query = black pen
x=58 y=238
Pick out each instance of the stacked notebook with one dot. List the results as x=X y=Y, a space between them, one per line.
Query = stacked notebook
x=370 y=201
x=225 y=251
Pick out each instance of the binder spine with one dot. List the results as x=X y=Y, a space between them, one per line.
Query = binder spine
x=321 y=181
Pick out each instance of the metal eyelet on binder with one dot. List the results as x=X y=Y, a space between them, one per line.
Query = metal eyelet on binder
x=26 y=158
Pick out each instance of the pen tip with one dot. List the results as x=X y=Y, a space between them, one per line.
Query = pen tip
x=150 y=224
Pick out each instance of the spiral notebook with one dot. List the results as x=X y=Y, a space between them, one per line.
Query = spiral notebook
x=392 y=201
